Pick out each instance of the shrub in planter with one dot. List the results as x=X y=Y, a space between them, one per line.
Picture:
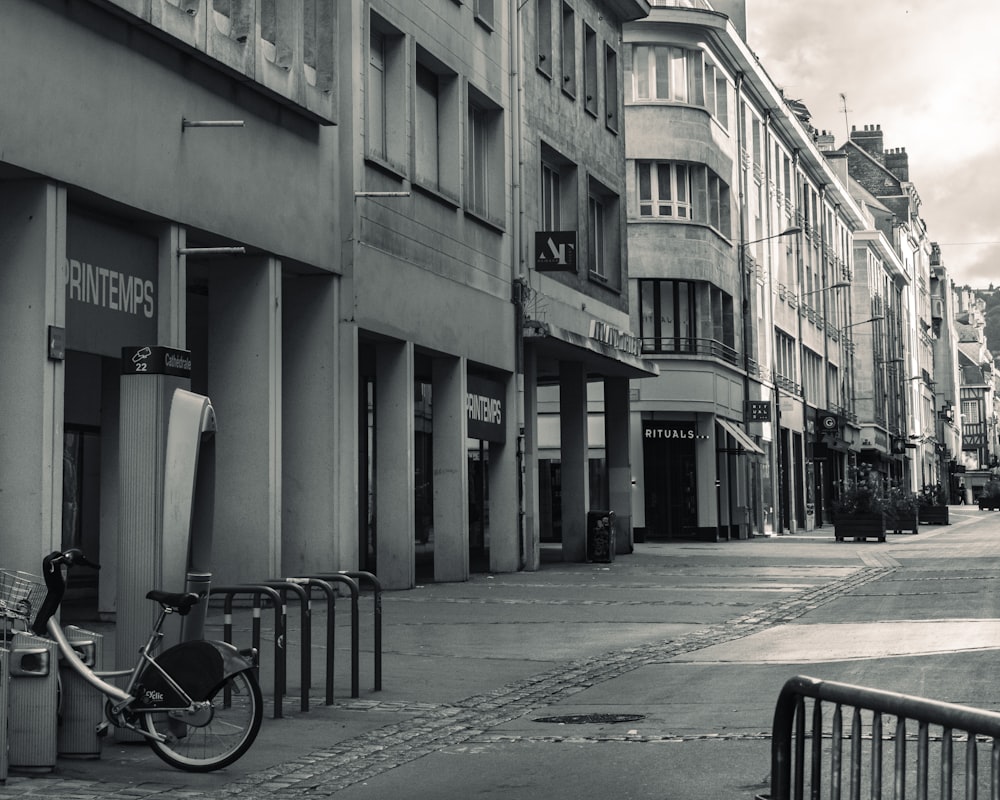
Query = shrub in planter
x=934 y=505
x=859 y=510
x=990 y=497
x=901 y=510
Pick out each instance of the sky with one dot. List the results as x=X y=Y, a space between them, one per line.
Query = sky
x=928 y=72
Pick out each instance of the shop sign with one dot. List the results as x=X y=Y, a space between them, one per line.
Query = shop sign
x=485 y=406
x=613 y=337
x=555 y=251
x=670 y=431
x=758 y=411
x=111 y=286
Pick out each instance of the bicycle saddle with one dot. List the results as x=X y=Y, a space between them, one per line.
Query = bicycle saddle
x=181 y=602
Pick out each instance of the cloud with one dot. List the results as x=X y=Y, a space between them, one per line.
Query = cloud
x=928 y=73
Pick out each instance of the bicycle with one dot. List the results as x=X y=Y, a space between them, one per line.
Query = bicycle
x=197 y=704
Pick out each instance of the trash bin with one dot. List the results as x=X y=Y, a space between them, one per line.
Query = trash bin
x=81 y=706
x=33 y=698
x=601 y=536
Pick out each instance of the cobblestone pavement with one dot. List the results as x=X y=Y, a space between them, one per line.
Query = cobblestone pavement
x=431 y=727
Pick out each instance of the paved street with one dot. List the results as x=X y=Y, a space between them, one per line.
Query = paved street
x=495 y=687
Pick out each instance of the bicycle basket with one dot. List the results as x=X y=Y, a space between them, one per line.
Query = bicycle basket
x=21 y=594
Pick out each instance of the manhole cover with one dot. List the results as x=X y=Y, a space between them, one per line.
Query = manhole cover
x=585 y=719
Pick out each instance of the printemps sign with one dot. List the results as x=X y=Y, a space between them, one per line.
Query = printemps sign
x=111 y=289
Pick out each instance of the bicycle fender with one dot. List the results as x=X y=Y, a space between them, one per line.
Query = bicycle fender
x=199 y=667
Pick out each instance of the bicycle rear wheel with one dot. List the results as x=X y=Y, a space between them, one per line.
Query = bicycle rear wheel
x=215 y=736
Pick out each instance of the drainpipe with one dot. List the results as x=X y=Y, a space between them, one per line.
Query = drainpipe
x=519 y=278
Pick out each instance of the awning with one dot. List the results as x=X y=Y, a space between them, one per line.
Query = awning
x=553 y=344
x=741 y=437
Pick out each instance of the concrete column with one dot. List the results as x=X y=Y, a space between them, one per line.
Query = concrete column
x=705 y=464
x=310 y=443
x=573 y=459
x=172 y=311
x=244 y=384
x=616 y=438
x=394 y=467
x=348 y=503
x=450 y=469
x=32 y=297
x=505 y=546
x=530 y=526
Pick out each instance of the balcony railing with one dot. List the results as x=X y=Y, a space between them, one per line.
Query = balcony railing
x=712 y=348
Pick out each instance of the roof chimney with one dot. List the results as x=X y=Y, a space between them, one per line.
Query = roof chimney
x=869 y=140
x=898 y=163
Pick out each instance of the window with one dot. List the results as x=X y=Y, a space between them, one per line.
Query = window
x=550 y=197
x=435 y=127
x=603 y=233
x=718 y=204
x=543 y=28
x=664 y=189
x=317 y=43
x=590 y=69
x=597 y=255
x=558 y=192
x=484 y=13
x=386 y=100
x=425 y=128
x=568 y=50
x=673 y=190
x=657 y=73
x=611 y=88
x=484 y=176
x=723 y=328
x=785 y=362
x=813 y=376
x=667 y=316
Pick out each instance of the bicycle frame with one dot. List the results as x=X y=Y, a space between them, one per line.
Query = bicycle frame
x=122 y=699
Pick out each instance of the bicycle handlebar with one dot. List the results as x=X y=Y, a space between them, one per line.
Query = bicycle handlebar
x=56 y=583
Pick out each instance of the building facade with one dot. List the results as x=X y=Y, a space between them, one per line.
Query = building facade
x=740 y=244
x=168 y=183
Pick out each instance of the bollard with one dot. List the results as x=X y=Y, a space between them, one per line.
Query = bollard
x=81 y=706
x=33 y=702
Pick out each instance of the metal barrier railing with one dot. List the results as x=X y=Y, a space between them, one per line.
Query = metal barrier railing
x=955 y=723
x=257 y=592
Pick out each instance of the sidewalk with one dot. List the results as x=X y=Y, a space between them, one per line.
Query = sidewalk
x=693 y=640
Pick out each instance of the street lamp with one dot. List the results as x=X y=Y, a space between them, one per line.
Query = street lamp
x=863 y=322
x=837 y=285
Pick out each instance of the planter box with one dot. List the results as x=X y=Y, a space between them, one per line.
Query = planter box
x=902 y=523
x=934 y=515
x=859 y=526
x=989 y=503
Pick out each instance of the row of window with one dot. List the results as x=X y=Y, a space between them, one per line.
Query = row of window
x=450 y=116
x=678 y=75
x=682 y=191
x=556 y=30
x=673 y=314
x=558 y=212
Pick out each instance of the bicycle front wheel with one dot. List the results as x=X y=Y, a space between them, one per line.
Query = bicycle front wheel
x=214 y=736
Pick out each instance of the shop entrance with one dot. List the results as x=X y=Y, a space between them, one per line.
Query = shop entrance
x=671 y=488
